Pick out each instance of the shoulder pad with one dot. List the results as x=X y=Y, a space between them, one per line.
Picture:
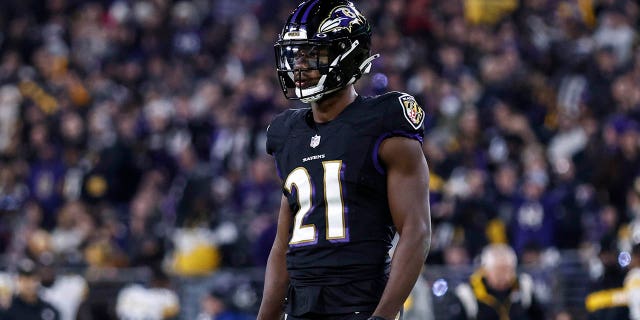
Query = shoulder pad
x=280 y=127
x=403 y=115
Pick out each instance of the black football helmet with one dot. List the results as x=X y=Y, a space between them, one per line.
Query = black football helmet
x=323 y=47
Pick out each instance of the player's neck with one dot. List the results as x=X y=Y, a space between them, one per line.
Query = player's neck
x=329 y=107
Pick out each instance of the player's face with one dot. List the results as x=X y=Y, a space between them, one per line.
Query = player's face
x=306 y=61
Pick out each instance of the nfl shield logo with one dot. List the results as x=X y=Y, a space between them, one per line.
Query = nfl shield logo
x=315 y=141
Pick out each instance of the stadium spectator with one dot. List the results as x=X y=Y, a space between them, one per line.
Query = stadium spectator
x=65 y=292
x=7 y=284
x=157 y=301
x=606 y=289
x=217 y=305
x=632 y=283
x=491 y=290
x=563 y=315
x=26 y=303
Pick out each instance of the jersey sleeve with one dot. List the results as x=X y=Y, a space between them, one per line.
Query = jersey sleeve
x=277 y=132
x=403 y=116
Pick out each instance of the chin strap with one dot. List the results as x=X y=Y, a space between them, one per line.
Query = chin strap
x=365 y=67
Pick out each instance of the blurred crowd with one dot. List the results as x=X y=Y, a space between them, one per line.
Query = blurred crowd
x=132 y=132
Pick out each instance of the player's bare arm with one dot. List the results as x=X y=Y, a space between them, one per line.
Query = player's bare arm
x=276 y=277
x=408 y=193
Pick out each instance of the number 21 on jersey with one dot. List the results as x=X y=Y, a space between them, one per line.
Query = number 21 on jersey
x=334 y=214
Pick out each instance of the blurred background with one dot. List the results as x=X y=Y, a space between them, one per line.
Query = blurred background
x=132 y=135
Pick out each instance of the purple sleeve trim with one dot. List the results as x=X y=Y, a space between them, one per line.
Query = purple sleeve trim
x=374 y=155
x=277 y=168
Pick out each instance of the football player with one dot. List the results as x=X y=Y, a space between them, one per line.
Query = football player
x=353 y=174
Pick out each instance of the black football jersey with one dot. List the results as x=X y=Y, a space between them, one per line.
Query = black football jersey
x=336 y=186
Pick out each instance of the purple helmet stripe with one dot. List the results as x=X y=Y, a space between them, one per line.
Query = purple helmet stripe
x=295 y=15
x=300 y=8
x=306 y=13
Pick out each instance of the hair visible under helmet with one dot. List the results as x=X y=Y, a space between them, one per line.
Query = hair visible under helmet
x=339 y=38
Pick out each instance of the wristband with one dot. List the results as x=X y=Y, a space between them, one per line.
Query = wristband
x=376 y=318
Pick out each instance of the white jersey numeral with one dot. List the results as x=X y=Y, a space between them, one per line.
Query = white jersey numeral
x=334 y=215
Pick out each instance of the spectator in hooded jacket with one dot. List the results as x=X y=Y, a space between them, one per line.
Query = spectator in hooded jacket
x=497 y=291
